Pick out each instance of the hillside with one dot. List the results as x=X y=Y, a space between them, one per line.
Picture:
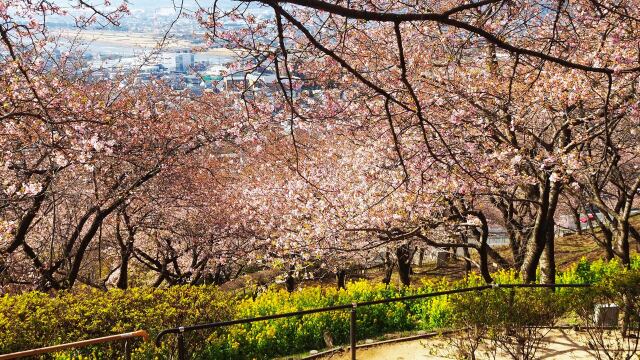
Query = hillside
x=569 y=249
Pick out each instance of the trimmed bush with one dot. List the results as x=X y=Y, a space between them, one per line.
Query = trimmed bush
x=36 y=319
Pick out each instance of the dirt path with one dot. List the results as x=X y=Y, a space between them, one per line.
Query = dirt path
x=560 y=344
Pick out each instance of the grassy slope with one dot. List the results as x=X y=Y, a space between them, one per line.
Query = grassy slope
x=571 y=248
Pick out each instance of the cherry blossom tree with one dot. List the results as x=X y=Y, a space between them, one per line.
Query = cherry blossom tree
x=81 y=157
x=494 y=100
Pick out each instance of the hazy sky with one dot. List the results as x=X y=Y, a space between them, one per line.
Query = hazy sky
x=150 y=5
x=167 y=7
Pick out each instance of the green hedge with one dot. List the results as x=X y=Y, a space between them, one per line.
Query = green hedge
x=35 y=319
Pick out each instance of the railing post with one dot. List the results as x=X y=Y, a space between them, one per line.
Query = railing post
x=127 y=350
x=182 y=351
x=352 y=332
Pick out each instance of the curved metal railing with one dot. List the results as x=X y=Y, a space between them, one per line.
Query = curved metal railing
x=179 y=331
x=80 y=344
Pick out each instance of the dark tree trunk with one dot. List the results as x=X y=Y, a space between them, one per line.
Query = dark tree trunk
x=484 y=249
x=607 y=243
x=616 y=229
x=547 y=260
x=218 y=275
x=123 y=278
x=126 y=250
x=404 y=255
x=514 y=230
x=576 y=220
x=501 y=261
x=518 y=247
x=388 y=268
x=162 y=274
x=540 y=234
x=535 y=247
x=608 y=246
x=341 y=277
x=453 y=255
x=622 y=243
x=633 y=232
x=25 y=222
x=290 y=281
x=622 y=228
x=76 y=264
x=467 y=256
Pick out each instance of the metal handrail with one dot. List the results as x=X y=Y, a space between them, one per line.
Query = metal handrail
x=180 y=330
x=79 y=344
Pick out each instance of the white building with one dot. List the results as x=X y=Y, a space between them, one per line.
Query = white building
x=184 y=61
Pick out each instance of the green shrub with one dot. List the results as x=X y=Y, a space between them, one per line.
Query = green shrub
x=36 y=319
x=513 y=320
x=622 y=289
x=296 y=334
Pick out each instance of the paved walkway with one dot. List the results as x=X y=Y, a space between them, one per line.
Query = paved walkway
x=559 y=344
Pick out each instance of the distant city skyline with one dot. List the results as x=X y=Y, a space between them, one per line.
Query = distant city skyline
x=148 y=11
